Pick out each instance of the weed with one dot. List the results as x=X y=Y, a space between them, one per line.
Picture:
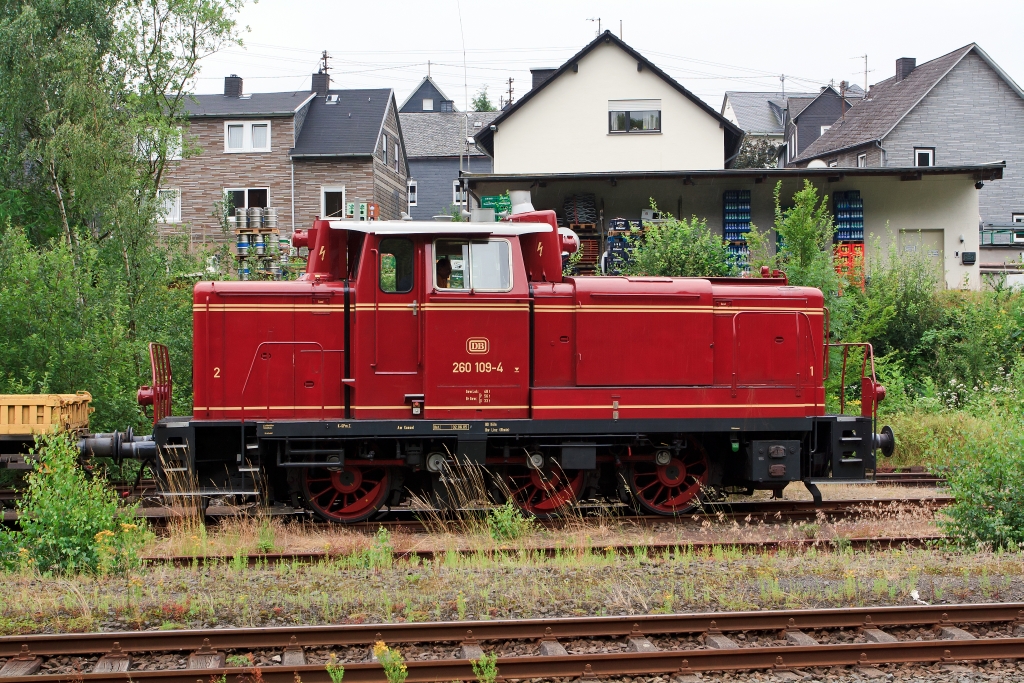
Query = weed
x=70 y=522
x=485 y=669
x=507 y=522
x=335 y=669
x=239 y=660
x=392 y=661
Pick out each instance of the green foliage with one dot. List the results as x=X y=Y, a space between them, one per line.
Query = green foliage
x=507 y=522
x=987 y=480
x=679 y=248
x=486 y=668
x=757 y=152
x=66 y=326
x=69 y=521
x=481 y=102
x=391 y=659
x=92 y=100
x=335 y=669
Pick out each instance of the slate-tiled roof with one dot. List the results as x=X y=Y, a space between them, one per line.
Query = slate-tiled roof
x=348 y=128
x=754 y=112
x=256 y=104
x=885 y=105
x=442 y=134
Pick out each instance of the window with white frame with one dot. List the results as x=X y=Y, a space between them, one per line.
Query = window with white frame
x=458 y=194
x=246 y=198
x=634 y=116
x=384 y=148
x=924 y=156
x=332 y=201
x=246 y=136
x=428 y=104
x=1017 y=218
x=413 y=191
x=792 y=145
x=834 y=163
x=862 y=160
x=168 y=205
x=396 y=155
x=824 y=129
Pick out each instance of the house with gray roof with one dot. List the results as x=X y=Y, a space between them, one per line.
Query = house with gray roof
x=790 y=120
x=960 y=108
x=427 y=97
x=439 y=146
x=321 y=152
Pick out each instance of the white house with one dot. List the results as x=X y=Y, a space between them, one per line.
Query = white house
x=609 y=109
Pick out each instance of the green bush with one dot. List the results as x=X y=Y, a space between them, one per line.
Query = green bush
x=679 y=248
x=68 y=521
x=507 y=523
x=987 y=479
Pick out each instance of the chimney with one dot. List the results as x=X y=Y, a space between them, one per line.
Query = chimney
x=232 y=86
x=904 y=65
x=321 y=83
x=540 y=75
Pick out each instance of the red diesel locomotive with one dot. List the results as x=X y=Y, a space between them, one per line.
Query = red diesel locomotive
x=408 y=345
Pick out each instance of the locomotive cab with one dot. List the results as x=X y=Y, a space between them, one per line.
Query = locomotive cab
x=409 y=347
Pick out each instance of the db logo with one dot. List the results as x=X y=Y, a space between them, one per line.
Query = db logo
x=478 y=345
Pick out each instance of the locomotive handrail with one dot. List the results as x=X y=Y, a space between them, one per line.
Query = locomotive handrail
x=798 y=315
x=868 y=354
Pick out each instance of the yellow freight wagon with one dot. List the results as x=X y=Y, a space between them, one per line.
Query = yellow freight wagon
x=31 y=414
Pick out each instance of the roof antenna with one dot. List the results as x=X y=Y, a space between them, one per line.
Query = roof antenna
x=324 y=68
x=598 y=20
x=782 y=78
x=428 y=68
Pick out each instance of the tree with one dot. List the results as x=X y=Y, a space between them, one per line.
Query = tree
x=679 y=248
x=92 y=106
x=757 y=152
x=481 y=102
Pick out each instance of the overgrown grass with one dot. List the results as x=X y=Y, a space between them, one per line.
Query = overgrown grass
x=504 y=585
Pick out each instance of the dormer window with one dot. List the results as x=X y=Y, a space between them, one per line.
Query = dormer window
x=246 y=136
x=428 y=104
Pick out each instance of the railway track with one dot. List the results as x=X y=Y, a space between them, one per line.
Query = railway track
x=586 y=648
x=652 y=549
x=753 y=511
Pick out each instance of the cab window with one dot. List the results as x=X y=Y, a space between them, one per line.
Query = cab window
x=396 y=264
x=482 y=265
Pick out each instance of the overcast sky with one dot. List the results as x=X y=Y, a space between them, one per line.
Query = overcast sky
x=709 y=47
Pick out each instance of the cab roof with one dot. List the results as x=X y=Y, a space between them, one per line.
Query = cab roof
x=439 y=227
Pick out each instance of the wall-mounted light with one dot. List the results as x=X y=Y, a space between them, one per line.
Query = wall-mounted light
x=978 y=185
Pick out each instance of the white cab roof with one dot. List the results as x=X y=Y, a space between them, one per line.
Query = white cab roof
x=439 y=227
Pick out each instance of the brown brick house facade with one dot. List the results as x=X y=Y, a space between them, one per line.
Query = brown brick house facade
x=327 y=141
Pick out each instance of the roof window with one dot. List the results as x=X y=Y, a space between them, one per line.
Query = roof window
x=332 y=99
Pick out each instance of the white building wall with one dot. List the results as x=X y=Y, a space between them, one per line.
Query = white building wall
x=564 y=127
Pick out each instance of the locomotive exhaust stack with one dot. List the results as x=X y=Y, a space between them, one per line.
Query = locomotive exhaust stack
x=408 y=347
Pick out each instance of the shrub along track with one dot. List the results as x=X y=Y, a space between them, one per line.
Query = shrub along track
x=546 y=648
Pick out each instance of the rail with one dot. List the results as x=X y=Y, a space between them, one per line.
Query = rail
x=789 y=645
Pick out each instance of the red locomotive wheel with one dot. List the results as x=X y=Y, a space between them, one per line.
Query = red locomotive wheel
x=348 y=494
x=670 y=489
x=543 y=493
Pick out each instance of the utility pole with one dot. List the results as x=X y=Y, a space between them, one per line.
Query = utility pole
x=782 y=79
x=842 y=94
x=865 y=73
x=510 y=79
